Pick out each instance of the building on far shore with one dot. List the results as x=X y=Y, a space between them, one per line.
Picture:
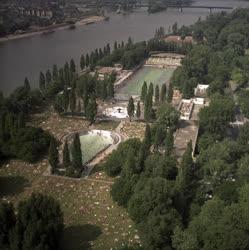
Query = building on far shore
x=107 y=71
x=179 y=40
x=165 y=60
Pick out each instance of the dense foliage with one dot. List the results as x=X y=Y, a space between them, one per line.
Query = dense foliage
x=201 y=204
x=16 y=138
x=37 y=224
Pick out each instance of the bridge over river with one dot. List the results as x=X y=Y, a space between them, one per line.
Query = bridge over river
x=181 y=7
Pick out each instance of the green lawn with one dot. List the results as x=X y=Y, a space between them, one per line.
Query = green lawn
x=148 y=74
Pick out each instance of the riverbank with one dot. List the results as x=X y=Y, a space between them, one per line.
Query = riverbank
x=53 y=28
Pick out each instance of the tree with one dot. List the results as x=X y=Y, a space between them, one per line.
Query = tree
x=163 y=93
x=65 y=99
x=82 y=62
x=27 y=85
x=20 y=121
x=115 y=45
x=159 y=227
x=72 y=100
x=244 y=134
x=66 y=156
x=123 y=189
x=67 y=77
x=147 y=139
x=42 y=81
x=130 y=108
x=7 y=224
x=142 y=203
x=169 y=142
x=39 y=224
x=216 y=118
x=157 y=94
x=108 y=49
x=175 y=28
x=72 y=66
x=48 y=77
x=110 y=89
x=55 y=72
x=29 y=144
x=148 y=111
x=91 y=110
x=138 y=110
x=144 y=92
x=185 y=181
x=151 y=90
x=104 y=90
x=167 y=117
x=87 y=60
x=115 y=161
x=76 y=153
x=53 y=157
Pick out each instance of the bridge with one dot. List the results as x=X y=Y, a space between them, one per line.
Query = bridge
x=141 y=3
x=181 y=7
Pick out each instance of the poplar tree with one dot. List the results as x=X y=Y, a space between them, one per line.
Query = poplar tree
x=163 y=93
x=100 y=53
x=55 y=72
x=42 y=81
x=82 y=62
x=115 y=45
x=65 y=99
x=169 y=142
x=87 y=60
x=130 y=108
x=48 y=77
x=138 y=111
x=157 y=94
x=79 y=107
x=147 y=138
x=142 y=154
x=21 y=120
x=144 y=92
x=66 y=156
x=67 y=74
x=110 y=89
x=151 y=90
x=26 y=84
x=53 y=155
x=76 y=153
x=104 y=90
x=148 y=107
x=91 y=110
x=108 y=49
x=72 y=66
x=170 y=92
x=72 y=100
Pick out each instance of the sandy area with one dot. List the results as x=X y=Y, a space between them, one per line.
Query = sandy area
x=63 y=26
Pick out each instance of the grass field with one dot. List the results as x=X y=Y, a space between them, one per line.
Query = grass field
x=92 y=144
x=148 y=74
x=92 y=220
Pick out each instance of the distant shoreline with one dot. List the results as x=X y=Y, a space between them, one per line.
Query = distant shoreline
x=52 y=28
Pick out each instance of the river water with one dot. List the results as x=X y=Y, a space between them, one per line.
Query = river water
x=28 y=56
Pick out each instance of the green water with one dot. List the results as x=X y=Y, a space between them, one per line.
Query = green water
x=91 y=144
x=148 y=74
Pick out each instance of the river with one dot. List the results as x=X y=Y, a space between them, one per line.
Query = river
x=26 y=57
